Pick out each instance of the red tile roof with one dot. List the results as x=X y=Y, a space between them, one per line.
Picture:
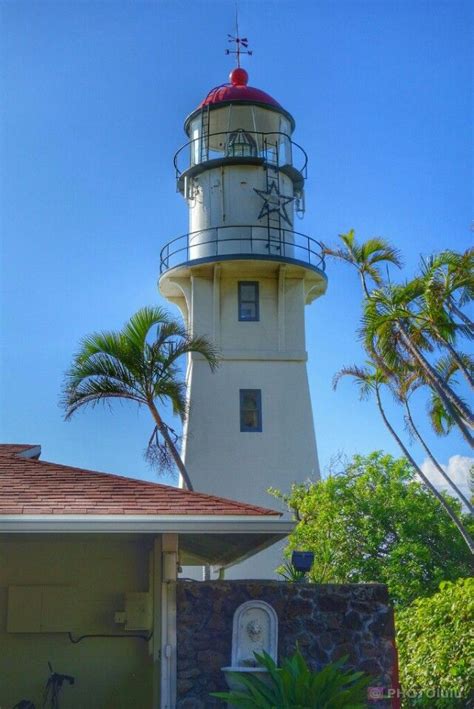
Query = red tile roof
x=35 y=487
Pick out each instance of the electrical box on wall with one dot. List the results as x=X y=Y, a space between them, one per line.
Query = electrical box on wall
x=138 y=611
x=39 y=609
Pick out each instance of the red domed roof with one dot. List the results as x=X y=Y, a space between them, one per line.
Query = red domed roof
x=237 y=90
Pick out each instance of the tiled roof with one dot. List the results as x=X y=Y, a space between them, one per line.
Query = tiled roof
x=35 y=487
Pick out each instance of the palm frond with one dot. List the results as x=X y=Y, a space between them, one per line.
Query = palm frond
x=453 y=273
x=441 y=421
x=340 y=254
x=112 y=345
x=367 y=378
x=170 y=389
x=94 y=391
x=376 y=250
x=348 y=238
x=139 y=363
x=138 y=328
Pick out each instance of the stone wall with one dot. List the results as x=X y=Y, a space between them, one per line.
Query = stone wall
x=327 y=622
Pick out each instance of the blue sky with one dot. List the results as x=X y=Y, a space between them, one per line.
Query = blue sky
x=95 y=94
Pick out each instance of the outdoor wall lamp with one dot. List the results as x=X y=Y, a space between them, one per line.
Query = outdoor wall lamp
x=302 y=560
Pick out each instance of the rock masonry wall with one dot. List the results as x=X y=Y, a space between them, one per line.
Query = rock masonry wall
x=326 y=621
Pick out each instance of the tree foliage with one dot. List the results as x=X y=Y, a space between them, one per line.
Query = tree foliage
x=412 y=333
x=417 y=329
x=436 y=647
x=370 y=380
x=367 y=257
x=375 y=523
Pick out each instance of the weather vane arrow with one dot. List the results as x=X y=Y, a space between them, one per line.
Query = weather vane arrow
x=241 y=43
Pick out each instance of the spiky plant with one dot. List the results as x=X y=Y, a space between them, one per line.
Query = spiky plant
x=295 y=686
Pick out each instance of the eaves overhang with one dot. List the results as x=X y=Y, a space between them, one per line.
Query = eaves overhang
x=153 y=524
x=221 y=541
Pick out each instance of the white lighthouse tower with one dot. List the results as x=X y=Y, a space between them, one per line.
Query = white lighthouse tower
x=242 y=276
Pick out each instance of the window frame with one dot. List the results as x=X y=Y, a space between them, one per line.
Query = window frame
x=251 y=429
x=255 y=302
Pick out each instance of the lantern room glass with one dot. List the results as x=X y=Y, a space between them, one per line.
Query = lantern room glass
x=214 y=134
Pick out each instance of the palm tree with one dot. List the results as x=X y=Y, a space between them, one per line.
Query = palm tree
x=443 y=331
x=365 y=257
x=402 y=387
x=445 y=277
x=430 y=303
x=370 y=380
x=438 y=309
x=388 y=322
x=449 y=276
x=441 y=420
x=138 y=363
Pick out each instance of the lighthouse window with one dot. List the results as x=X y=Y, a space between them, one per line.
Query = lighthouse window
x=248 y=301
x=241 y=144
x=250 y=410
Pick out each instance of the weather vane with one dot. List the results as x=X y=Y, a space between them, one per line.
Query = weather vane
x=241 y=43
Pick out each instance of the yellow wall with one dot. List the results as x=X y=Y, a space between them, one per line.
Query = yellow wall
x=110 y=673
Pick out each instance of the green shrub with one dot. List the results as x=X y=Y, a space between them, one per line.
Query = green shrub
x=295 y=686
x=375 y=523
x=436 y=647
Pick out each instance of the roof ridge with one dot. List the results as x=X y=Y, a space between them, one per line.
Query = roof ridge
x=16 y=447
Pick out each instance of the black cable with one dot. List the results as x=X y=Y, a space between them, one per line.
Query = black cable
x=104 y=635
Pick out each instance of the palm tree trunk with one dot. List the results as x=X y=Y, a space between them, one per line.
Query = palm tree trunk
x=163 y=429
x=434 y=461
x=459 y=362
x=459 y=411
x=459 y=313
x=364 y=284
x=447 y=507
x=454 y=354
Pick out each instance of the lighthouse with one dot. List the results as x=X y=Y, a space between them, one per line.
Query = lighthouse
x=242 y=276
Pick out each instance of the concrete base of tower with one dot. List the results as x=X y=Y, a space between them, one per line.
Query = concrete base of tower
x=223 y=458
x=260 y=566
x=250 y=423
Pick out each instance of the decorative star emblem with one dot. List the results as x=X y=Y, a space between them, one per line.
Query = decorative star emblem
x=273 y=201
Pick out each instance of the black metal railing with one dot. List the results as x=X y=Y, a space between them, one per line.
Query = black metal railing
x=273 y=148
x=244 y=241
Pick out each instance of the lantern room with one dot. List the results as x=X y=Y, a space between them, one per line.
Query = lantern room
x=243 y=177
x=236 y=121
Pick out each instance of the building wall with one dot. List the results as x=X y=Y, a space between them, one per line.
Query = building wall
x=268 y=355
x=327 y=622
x=110 y=673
